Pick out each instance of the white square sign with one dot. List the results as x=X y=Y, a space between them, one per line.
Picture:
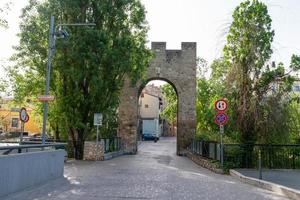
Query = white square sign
x=98 y=119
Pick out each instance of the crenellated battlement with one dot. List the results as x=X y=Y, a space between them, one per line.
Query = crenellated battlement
x=162 y=46
x=187 y=51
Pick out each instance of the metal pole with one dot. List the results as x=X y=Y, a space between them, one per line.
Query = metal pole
x=22 y=132
x=51 y=45
x=97 y=143
x=221 y=148
x=21 y=136
x=259 y=164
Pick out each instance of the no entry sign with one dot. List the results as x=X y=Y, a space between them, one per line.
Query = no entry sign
x=221 y=105
x=221 y=118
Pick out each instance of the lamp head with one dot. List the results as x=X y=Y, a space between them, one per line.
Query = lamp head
x=61 y=33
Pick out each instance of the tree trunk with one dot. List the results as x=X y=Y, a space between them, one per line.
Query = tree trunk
x=78 y=143
x=56 y=134
x=79 y=147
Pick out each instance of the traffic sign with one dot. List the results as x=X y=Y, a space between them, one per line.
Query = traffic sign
x=98 y=119
x=27 y=118
x=221 y=129
x=221 y=118
x=23 y=115
x=221 y=105
x=45 y=98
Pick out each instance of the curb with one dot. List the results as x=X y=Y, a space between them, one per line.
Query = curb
x=111 y=155
x=279 y=189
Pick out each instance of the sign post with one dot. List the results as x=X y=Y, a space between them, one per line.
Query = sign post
x=98 y=117
x=221 y=119
x=221 y=145
x=24 y=117
x=45 y=99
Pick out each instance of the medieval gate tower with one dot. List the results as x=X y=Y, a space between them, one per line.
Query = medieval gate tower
x=177 y=67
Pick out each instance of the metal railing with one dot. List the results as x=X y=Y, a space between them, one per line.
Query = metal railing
x=207 y=149
x=273 y=156
x=111 y=144
x=24 y=148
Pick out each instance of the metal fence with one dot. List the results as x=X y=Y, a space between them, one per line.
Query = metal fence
x=24 y=148
x=207 y=149
x=111 y=144
x=273 y=156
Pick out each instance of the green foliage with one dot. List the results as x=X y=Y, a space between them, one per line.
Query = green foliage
x=170 y=111
x=295 y=62
x=247 y=50
x=293 y=120
x=3 y=12
x=88 y=67
x=260 y=107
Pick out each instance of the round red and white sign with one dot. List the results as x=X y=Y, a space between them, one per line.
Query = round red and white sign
x=23 y=114
x=27 y=118
x=221 y=105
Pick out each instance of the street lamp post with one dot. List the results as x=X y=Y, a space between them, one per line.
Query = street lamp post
x=51 y=48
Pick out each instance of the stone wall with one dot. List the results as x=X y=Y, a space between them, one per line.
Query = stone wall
x=90 y=151
x=204 y=162
x=177 y=67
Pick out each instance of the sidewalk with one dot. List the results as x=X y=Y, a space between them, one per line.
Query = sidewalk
x=281 y=181
x=288 y=178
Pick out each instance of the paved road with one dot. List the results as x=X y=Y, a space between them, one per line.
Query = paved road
x=154 y=173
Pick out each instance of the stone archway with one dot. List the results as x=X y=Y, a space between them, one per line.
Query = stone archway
x=178 y=67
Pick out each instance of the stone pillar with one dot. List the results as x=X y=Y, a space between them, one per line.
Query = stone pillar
x=90 y=150
x=127 y=129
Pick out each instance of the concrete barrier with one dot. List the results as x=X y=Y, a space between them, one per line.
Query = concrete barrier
x=20 y=171
x=279 y=189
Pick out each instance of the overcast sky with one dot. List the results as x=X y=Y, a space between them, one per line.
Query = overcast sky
x=203 y=21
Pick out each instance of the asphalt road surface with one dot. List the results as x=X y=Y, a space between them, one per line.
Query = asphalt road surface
x=154 y=173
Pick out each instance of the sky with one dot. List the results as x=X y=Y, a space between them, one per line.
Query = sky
x=203 y=21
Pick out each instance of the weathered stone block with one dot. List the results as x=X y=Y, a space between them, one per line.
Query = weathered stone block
x=91 y=152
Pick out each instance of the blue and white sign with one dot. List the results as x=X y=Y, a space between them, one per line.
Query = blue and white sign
x=98 y=119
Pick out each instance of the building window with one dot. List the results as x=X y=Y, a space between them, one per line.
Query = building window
x=14 y=122
x=146 y=106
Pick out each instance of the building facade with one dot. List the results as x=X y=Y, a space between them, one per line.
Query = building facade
x=10 y=120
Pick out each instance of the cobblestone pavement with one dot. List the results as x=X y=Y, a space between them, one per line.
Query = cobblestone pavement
x=154 y=173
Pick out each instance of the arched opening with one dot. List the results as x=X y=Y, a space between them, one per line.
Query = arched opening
x=157 y=108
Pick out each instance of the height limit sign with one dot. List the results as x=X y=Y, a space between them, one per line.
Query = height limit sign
x=221 y=106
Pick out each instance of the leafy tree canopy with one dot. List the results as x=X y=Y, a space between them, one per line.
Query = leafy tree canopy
x=88 y=66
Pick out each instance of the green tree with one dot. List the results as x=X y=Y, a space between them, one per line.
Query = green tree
x=170 y=111
x=209 y=90
x=89 y=66
x=247 y=51
x=3 y=11
x=3 y=24
x=294 y=119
